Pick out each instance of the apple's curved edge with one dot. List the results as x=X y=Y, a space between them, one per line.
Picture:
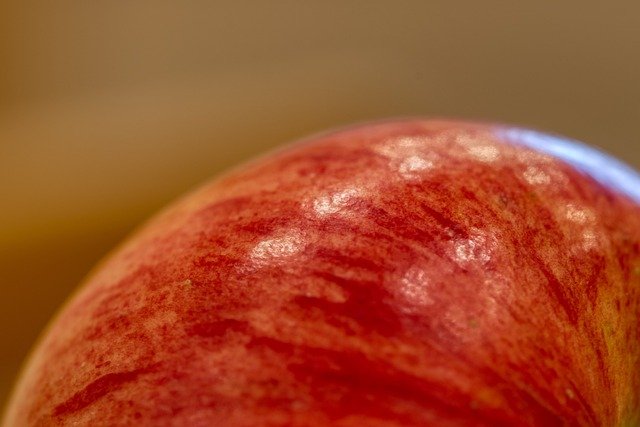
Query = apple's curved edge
x=604 y=168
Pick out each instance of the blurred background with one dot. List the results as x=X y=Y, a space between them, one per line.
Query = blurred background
x=109 y=110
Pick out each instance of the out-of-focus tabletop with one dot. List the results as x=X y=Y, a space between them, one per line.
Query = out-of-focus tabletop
x=109 y=110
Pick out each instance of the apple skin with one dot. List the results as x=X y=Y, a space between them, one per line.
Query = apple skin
x=410 y=272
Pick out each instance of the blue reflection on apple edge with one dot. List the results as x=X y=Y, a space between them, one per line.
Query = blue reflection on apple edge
x=605 y=169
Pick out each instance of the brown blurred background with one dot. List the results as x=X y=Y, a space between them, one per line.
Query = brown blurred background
x=108 y=110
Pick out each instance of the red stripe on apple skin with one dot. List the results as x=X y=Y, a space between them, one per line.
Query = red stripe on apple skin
x=95 y=390
x=348 y=383
x=408 y=273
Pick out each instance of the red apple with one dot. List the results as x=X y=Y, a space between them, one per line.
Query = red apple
x=404 y=273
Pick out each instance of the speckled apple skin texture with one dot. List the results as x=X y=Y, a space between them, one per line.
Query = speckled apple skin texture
x=405 y=273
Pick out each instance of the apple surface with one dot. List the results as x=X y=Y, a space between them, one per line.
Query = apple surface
x=402 y=273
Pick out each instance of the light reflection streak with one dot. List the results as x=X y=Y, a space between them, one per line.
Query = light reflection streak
x=484 y=153
x=413 y=165
x=333 y=203
x=605 y=169
x=277 y=248
x=535 y=176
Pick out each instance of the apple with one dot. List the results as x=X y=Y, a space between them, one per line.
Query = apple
x=409 y=272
